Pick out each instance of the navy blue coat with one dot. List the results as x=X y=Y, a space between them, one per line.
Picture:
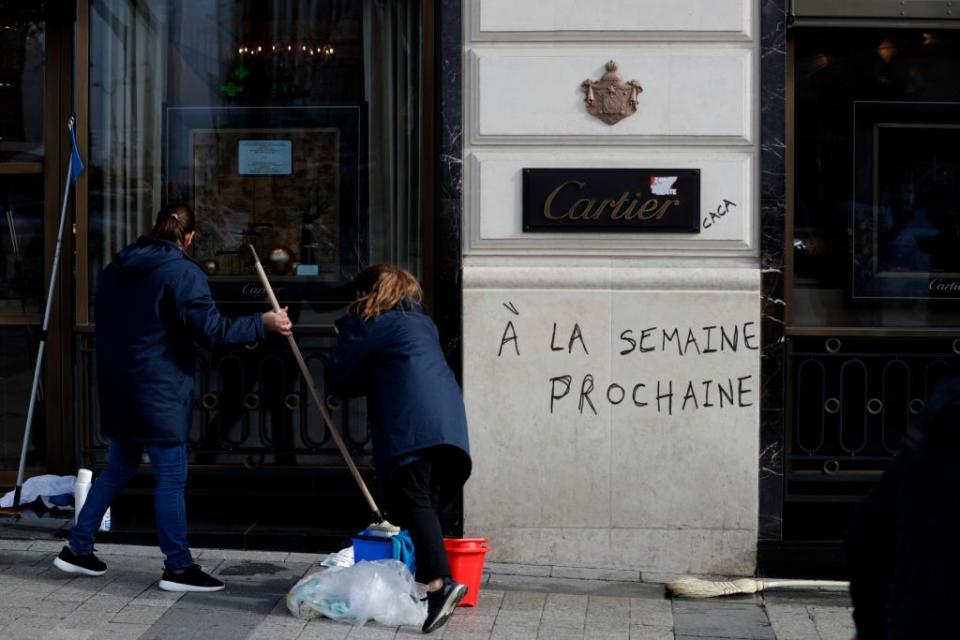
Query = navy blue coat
x=413 y=400
x=901 y=545
x=153 y=305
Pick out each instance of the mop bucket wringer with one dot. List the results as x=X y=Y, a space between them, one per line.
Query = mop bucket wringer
x=466 y=564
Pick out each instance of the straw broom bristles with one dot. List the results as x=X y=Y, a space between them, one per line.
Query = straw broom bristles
x=690 y=587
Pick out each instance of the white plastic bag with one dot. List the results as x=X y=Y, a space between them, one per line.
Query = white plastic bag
x=382 y=590
x=39 y=486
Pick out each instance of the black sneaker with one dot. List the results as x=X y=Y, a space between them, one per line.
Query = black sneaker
x=193 y=578
x=89 y=565
x=441 y=603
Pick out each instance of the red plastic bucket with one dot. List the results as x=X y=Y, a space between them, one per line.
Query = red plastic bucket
x=466 y=564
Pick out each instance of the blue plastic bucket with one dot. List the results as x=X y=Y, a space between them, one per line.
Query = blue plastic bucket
x=367 y=547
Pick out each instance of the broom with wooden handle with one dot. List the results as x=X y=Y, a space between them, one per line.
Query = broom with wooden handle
x=380 y=523
x=690 y=587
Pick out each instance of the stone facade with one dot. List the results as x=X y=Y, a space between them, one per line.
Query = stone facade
x=569 y=339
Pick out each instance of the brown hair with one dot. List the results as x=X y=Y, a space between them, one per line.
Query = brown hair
x=174 y=222
x=381 y=288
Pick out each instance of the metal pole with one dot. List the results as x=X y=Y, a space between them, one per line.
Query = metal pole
x=43 y=335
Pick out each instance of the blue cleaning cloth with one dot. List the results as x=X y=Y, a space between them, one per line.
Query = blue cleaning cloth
x=403 y=550
x=63 y=500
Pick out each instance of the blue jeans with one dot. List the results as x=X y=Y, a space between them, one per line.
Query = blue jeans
x=170 y=471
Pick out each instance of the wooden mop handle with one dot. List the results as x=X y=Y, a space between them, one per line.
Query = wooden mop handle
x=313 y=390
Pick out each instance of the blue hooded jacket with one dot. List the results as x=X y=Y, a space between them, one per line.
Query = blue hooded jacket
x=153 y=305
x=413 y=399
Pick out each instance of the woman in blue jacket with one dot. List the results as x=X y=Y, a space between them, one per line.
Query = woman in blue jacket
x=388 y=350
x=153 y=305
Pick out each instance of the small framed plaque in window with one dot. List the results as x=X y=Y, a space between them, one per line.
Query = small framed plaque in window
x=265 y=157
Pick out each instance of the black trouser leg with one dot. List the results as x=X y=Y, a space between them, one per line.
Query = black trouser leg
x=414 y=492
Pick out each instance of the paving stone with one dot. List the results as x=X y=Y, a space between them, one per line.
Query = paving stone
x=243 y=554
x=72 y=632
x=139 y=614
x=471 y=625
x=650 y=633
x=80 y=589
x=513 y=633
x=202 y=624
x=13 y=545
x=157 y=598
x=646 y=612
x=509 y=569
x=47 y=545
x=282 y=575
x=105 y=603
x=487 y=598
x=550 y=632
x=143 y=551
x=124 y=631
x=525 y=619
x=308 y=558
x=721 y=619
x=576 y=586
x=619 y=575
x=249 y=598
x=372 y=632
x=523 y=601
x=276 y=628
x=791 y=622
x=452 y=634
x=833 y=623
x=325 y=630
x=563 y=609
x=28 y=628
x=51 y=608
x=606 y=634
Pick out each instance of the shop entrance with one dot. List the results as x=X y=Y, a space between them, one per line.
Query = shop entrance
x=36 y=48
x=304 y=129
x=873 y=278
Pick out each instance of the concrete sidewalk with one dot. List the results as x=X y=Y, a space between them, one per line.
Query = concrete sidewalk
x=38 y=602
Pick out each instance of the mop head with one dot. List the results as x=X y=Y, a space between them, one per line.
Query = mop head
x=384 y=526
x=689 y=587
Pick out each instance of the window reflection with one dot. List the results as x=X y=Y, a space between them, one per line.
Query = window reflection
x=21 y=90
x=877 y=178
x=292 y=126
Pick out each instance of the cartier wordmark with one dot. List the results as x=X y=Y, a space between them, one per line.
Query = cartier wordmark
x=617 y=200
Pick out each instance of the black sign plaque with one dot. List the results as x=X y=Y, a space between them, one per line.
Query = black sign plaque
x=611 y=200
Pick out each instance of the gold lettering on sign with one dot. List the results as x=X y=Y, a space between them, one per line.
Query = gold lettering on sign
x=588 y=209
x=548 y=203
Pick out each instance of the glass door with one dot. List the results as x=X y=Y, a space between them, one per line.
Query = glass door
x=35 y=48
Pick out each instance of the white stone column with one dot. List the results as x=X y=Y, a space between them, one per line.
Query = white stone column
x=567 y=337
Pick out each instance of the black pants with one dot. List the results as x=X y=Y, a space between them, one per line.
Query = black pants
x=418 y=491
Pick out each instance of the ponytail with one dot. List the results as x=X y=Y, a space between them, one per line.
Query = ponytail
x=174 y=222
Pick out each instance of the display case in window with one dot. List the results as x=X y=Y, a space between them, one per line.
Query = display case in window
x=288 y=181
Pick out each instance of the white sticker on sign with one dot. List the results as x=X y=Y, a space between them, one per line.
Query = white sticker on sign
x=663 y=185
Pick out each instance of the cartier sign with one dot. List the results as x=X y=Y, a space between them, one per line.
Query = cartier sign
x=620 y=200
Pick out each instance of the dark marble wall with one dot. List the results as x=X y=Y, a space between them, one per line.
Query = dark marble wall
x=448 y=179
x=773 y=27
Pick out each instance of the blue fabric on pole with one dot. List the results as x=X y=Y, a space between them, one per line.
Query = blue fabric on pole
x=403 y=550
x=76 y=164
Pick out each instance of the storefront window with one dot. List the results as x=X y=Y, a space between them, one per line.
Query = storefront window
x=877 y=178
x=18 y=347
x=21 y=90
x=21 y=244
x=290 y=126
